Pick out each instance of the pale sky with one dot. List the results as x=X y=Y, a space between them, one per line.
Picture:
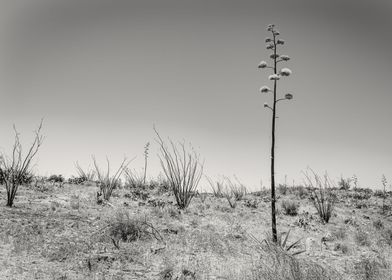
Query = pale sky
x=102 y=73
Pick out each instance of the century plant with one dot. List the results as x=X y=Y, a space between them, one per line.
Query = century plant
x=273 y=43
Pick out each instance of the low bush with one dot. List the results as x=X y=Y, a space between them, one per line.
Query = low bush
x=56 y=178
x=290 y=207
x=282 y=188
x=344 y=184
x=300 y=191
x=126 y=228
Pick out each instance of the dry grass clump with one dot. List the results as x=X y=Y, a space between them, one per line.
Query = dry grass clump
x=290 y=207
x=127 y=228
x=276 y=264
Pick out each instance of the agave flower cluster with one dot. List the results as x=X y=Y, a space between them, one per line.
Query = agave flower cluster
x=272 y=43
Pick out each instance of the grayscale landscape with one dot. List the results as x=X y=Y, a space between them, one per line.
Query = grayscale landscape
x=195 y=139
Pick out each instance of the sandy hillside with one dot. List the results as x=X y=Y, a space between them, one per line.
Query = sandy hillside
x=56 y=232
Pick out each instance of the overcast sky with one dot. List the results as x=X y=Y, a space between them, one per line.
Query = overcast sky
x=102 y=73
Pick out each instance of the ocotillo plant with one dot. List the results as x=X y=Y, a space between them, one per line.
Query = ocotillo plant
x=272 y=44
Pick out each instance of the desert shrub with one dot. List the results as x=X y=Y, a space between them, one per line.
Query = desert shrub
x=127 y=228
x=344 y=184
x=84 y=175
x=299 y=191
x=160 y=184
x=379 y=193
x=237 y=188
x=56 y=178
x=15 y=169
x=133 y=179
x=358 y=195
x=216 y=187
x=290 y=207
x=321 y=194
x=252 y=203
x=362 y=238
x=182 y=169
x=76 y=180
x=378 y=224
x=106 y=182
x=138 y=194
x=282 y=188
x=25 y=178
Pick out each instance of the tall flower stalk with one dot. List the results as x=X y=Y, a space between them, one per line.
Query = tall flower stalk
x=272 y=43
x=146 y=148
